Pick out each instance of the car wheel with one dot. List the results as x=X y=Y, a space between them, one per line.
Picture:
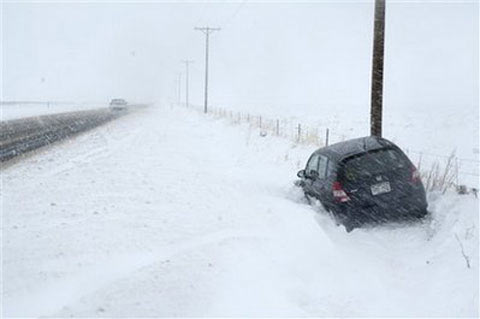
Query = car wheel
x=348 y=222
x=349 y=226
x=338 y=218
x=308 y=198
x=421 y=213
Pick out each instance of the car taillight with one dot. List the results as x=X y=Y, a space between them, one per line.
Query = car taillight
x=415 y=177
x=339 y=194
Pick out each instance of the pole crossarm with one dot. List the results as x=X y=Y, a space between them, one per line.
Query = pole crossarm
x=207 y=30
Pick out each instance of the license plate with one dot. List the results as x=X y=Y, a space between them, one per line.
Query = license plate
x=380 y=188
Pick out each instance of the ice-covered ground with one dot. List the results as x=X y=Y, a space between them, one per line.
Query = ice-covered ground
x=168 y=213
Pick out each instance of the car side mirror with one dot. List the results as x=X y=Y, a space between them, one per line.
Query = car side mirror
x=301 y=173
x=314 y=175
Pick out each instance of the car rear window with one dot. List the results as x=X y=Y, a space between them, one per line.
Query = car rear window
x=375 y=162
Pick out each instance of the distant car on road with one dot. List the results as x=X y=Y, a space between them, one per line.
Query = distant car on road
x=118 y=104
x=364 y=180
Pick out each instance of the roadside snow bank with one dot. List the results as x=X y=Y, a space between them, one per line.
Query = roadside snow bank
x=426 y=269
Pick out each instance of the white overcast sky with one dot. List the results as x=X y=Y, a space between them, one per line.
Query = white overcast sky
x=285 y=53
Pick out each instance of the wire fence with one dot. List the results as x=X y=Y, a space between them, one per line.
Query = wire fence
x=298 y=133
x=431 y=164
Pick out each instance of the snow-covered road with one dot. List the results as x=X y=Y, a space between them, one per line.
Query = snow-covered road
x=168 y=213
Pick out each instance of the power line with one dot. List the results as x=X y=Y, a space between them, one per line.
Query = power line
x=229 y=21
x=206 y=30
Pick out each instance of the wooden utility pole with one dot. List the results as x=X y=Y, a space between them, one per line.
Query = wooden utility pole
x=187 y=62
x=179 y=88
x=377 y=70
x=206 y=31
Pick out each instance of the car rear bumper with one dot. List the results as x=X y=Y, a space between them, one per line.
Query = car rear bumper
x=379 y=214
x=412 y=203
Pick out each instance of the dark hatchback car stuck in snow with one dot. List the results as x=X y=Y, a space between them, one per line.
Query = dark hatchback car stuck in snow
x=364 y=180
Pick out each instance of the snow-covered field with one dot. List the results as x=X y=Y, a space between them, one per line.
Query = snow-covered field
x=166 y=212
x=427 y=137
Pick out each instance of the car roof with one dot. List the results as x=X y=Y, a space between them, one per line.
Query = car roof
x=341 y=150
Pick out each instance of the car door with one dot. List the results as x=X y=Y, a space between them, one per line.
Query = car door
x=311 y=173
x=319 y=184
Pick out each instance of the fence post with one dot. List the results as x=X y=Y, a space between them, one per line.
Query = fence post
x=299 y=132
x=277 y=128
x=326 y=136
x=260 y=121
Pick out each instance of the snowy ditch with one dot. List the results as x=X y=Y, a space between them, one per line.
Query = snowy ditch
x=169 y=213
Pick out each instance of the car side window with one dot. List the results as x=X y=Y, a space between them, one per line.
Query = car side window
x=312 y=165
x=330 y=167
x=322 y=167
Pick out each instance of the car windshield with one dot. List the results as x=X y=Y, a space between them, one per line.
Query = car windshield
x=371 y=163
